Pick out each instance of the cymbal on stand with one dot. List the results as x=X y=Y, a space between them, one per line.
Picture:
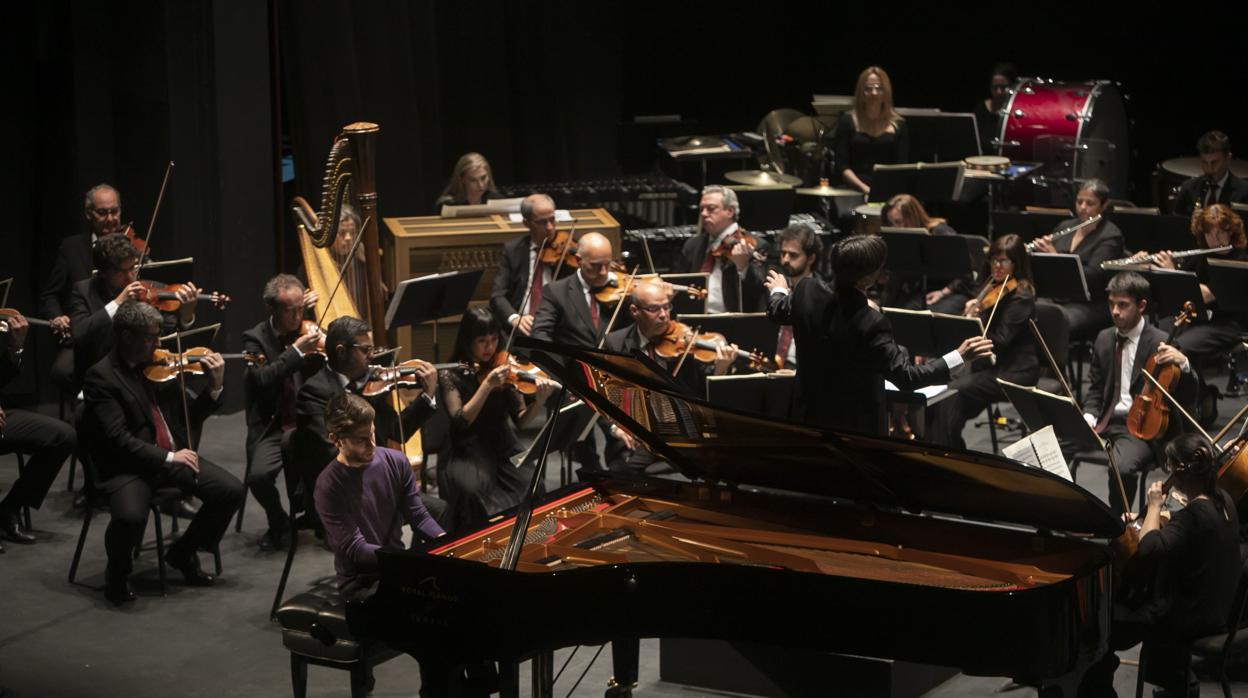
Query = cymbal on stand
x=759 y=178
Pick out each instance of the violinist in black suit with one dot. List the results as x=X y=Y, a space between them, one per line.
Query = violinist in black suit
x=845 y=346
x=136 y=435
x=735 y=284
x=102 y=209
x=270 y=389
x=1218 y=185
x=45 y=440
x=512 y=283
x=1005 y=302
x=1094 y=244
x=1118 y=356
x=95 y=300
x=349 y=346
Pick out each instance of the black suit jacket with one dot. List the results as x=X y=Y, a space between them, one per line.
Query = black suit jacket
x=692 y=374
x=93 y=327
x=1235 y=192
x=563 y=317
x=1102 y=364
x=754 y=293
x=263 y=384
x=120 y=431
x=1103 y=244
x=311 y=446
x=1012 y=341
x=512 y=280
x=72 y=264
x=845 y=350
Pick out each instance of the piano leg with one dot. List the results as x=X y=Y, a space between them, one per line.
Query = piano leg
x=543 y=674
x=509 y=679
x=625 y=657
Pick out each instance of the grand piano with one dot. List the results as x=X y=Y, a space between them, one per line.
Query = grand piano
x=785 y=534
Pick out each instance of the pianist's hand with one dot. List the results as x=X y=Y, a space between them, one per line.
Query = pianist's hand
x=624 y=436
x=974 y=348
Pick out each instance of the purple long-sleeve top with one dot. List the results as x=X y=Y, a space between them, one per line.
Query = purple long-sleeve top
x=364 y=509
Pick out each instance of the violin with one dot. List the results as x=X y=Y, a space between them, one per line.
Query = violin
x=34 y=321
x=1149 y=416
x=613 y=291
x=166 y=365
x=725 y=247
x=561 y=246
x=383 y=379
x=165 y=296
x=679 y=338
x=993 y=292
x=522 y=375
x=140 y=245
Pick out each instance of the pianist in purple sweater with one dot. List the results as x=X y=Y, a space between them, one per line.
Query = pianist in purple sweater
x=365 y=495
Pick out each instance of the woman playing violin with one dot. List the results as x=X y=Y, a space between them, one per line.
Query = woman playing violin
x=1192 y=565
x=485 y=411
x=1003 y=303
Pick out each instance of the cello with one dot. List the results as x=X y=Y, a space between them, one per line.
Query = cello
x=1149 y=417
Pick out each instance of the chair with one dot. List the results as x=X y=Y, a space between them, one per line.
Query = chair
x=21 y=470
x=1055 y=329
x=1098 y=457
x=1222 y=646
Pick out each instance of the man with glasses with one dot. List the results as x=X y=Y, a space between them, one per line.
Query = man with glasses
x=271 y=387
x=349 y=349
x=137 y=436
x=512 y=283
x=735 y=276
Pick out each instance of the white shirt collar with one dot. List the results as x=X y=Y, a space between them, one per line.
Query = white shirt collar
x=585 y=285
x=1134 y=333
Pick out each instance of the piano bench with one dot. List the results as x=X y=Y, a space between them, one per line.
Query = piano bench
x=314 y=629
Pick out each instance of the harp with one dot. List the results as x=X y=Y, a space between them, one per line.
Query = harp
x=346 y=284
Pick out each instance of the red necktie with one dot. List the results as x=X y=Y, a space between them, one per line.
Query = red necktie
x=593 y=310
x=1115 y=387
x=164 y=438
x=783 y=343
x=708 y=262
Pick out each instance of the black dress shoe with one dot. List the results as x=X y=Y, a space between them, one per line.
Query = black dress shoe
x=118 y=591
x=192 y=573
x=274 y=539
x=183 y=508
x=11 y=528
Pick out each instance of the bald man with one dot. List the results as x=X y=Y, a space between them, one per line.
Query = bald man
x=569 y=313
x=515 y=299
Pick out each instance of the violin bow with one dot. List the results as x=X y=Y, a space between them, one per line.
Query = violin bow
x=563 y=254
x=645 y=247
x=1238 y=416
x=1179 y=407
x=528 y=292
x=993 y=312
x=186 y=410
x=1105 y=445
x=623 y=294
x=688 y=348
x=342 y=274
x=151 y=224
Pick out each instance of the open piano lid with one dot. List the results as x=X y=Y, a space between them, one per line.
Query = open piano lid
x=718 y=444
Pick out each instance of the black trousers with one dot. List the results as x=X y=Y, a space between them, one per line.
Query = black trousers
x=1134 y=458
x=1167 y=656
x=221 y=493
x=480 y=484
x=48 y=442
x=266 y=460
x=976 y=390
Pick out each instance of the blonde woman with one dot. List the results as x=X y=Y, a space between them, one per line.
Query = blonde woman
x=471 y=182
x=872 y=133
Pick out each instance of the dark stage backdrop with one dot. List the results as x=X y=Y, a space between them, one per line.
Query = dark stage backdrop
x=111 y=91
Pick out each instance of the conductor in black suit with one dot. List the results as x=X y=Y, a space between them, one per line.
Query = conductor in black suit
x=102 y=209
x=845 y=346
x=1118 y=356
x=349 y=346
x=735 y=281
x=515 y=298
x=1218 y=185
x=270 y=389
x=135 y=431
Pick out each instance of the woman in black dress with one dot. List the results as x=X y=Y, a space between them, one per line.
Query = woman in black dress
x=485 y=411
x=471 y=183
x=1008 y=287
x=872 y=133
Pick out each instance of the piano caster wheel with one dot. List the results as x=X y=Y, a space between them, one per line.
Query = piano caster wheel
x=630 y=584
x=615 y=690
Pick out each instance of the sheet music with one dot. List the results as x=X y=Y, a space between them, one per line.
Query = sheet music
x=1040 y=450
x=928 y=392
x=561 y=216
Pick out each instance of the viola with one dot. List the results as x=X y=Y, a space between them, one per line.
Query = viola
x=993 y=292
x=613 y=291
x=165 y=296
x=1149 y=416
x=34 y=321
x=703 y=347
x=140 y=245
x=725 y=247
x=166 y=365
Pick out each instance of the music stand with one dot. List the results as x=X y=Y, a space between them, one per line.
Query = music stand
x=749 y=331
x=768 y=394
x=937 y=136
x=1228 y=279
x=170 y=271
x=1038 y=409
x=764 y=207
x=683 y=303
x=431 y=298
x=928 y=182
x=925 y=333
x=1146 y=229
x=1170 y=289
x=1059 y=277
x=915 y=251
x=905 y=250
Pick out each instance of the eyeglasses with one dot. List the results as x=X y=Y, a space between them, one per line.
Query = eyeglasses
x=1001 y=261
x=655 y=308
x=106 y=212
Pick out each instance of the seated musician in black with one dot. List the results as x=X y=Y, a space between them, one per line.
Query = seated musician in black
x=486 y=412
x=870 y=134
x=138 y=439
x=1094 y=244
x=987 y=111
x=1218 y=185
x=270 y=389
x=44 y=440
x=471 y=183
x=948 y=295
x=1187 y=566
x=349 y=346
x=94 y=301
x=845 y=346
x=735 y=276
x=1118 y=356
x=1004 y=303
x=800 y=248
x=517 y=294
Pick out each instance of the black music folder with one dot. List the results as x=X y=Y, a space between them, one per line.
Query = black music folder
x=1228 y=279
x=925 y=333
x=928 y=182
x=1039 y=409
x=1059 y=277
x=431 y=297
x=915 y=251
x=1170 y=289
x=749 y=331
x=938 y=136
x=769 y=394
